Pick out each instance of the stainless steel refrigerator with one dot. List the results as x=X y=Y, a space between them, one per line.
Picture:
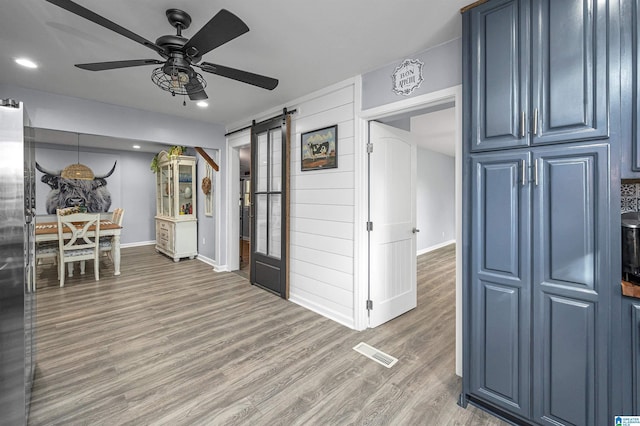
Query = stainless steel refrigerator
x=17 y=264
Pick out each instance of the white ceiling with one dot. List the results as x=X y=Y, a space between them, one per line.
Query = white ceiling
x=306 y=44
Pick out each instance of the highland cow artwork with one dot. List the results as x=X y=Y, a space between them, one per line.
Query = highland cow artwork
x=93 y=194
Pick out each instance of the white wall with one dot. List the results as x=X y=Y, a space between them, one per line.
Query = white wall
x=322 y=211
x=322 y=205
x=435 y=200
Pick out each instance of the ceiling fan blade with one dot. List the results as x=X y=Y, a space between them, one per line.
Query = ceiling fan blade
x=222 y=28
x=102 y=66
x=243 y=76
x=195 y=90
x=94 y=17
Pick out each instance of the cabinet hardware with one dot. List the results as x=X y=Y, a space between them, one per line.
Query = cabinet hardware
x=415 y=230
x=522 y=125
x=524 y=171
x=535 y=171
x=535 y=122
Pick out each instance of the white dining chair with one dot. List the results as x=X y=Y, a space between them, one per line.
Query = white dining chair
x=48 y=250
x=106 y=243
x=80 y=246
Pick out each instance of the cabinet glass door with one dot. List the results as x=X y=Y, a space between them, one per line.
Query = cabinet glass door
x=166 y=191
x=186 y=197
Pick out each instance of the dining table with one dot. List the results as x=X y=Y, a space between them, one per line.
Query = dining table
x=48 y=231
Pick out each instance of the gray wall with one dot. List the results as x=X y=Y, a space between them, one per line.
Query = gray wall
x=132 y=185
x=57 y=112
x=442 y=69
x=435 y=199
x=207 y=243
x=51 y=111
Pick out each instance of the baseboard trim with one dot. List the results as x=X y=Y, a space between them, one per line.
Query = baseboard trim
x=138 y=244
x=435 y=247
x=221 y=268
x=205 y=259
x=321 y=310
x=213 y=263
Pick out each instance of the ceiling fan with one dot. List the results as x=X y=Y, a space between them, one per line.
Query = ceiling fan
x=176 y=74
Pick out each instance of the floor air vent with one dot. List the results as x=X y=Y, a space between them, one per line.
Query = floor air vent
x=376 y=355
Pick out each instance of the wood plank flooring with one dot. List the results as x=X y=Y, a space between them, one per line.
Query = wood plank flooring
x=177 y=344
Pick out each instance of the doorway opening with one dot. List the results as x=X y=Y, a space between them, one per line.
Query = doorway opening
x=408 y=114
x=244 y=206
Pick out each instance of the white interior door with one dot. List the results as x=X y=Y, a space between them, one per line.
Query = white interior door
x=392 y=211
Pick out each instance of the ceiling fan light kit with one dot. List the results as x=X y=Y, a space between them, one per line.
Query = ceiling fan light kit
x=175 y=73
x=176 y=81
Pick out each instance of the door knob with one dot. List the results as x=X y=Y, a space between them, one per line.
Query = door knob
x=415 y=230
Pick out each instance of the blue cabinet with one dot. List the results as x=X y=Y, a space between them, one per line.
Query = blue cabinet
x=631 y=356
x=571 y=284
x=634 y=9
x=538 y=72
x=539 y=260
x=500 y=287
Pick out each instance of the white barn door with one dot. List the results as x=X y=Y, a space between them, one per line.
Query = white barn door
x=392 y=212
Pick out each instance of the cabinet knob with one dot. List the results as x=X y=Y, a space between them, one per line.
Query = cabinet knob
x=415 y=230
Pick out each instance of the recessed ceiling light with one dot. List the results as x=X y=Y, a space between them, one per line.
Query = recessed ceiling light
x=136 y=147
x=202 y=104
x=27 y=63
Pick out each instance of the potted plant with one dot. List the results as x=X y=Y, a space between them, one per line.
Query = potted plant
x=174 y=151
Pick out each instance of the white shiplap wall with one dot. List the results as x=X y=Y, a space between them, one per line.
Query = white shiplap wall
x=322 y=205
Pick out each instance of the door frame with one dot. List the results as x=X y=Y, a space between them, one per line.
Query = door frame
x=234 y=143
x=403 y=106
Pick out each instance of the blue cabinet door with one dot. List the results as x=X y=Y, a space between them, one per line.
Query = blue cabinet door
x=569 y=77
x=500 y=281
x=635 y=52
x=630 y=346
x=538 y=72
x=500 y=74
x=571 y=279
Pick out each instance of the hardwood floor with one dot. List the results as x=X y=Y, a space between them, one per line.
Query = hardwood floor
x=245 y=259
x=178 y=344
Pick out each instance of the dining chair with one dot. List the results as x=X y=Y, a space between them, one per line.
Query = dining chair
x=80 y=246
x=106 y=243
x=48 y=250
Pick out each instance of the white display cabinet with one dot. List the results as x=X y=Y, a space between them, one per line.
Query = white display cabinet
x=176 y=220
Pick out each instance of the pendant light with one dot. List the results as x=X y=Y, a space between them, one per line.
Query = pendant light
x=77 y=171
